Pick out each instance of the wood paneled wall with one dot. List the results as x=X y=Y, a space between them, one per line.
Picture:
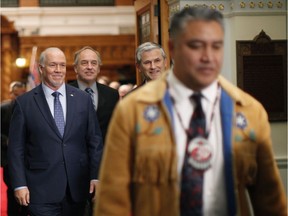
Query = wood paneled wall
x=158 y=24
x=35 y=3
x=9 y=53
x=117 y=52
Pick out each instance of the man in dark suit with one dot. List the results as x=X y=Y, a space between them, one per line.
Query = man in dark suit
x=16 y=89
x=87 y=63
x=54 y=163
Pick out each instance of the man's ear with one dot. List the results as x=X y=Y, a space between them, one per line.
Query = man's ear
x=40 y=69
x=75 y=68
x=137 y=66
x=165 y=63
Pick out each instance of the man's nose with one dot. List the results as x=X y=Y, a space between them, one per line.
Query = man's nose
x=207 y=54
x=152 y=64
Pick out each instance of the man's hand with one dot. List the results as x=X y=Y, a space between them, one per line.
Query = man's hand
x=22 y=196
x=93 y=186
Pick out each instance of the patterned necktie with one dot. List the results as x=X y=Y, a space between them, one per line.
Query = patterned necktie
x=91 y=93
x=58 y=113
x=192 y=179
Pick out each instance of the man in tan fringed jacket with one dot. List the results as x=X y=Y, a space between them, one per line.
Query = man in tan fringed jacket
x=146 y=142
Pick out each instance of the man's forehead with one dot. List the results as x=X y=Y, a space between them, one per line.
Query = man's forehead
x=151 y=54
x=56 y=57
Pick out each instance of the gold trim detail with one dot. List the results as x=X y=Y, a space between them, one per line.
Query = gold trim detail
x=242 y=5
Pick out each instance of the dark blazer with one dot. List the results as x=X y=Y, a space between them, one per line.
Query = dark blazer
x=6 y=112
x=107 y=100
x=38 y=157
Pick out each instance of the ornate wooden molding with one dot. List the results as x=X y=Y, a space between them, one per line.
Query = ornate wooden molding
x=117 y=51
x=7 y=27
x=233 y=7
x=9 y=53
x=114 y=49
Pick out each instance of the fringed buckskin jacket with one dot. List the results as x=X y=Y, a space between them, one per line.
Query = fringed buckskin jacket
x=139 y=176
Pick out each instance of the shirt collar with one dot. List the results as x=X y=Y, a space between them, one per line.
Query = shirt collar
x=48 y=91
x=83 y=86
x=180 y=92
x=210 y=92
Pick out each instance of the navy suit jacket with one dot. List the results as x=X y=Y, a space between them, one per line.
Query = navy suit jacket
x=107 y=100
x=39 y=158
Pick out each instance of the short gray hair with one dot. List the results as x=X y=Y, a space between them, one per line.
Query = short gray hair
x=187 y=14
x=16 y=84
x=43 y=54
x=77 y=53
x=147 y=47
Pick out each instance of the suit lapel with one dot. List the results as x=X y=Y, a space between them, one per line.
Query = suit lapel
x=70 y=98
x=101 y=96
x=226 y=110
x=43 y=106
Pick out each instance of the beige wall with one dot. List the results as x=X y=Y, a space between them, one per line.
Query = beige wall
x=246 y=28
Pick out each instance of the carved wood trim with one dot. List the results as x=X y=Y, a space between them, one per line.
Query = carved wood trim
x=9 y=53
x=117 y=51
x=262 y=72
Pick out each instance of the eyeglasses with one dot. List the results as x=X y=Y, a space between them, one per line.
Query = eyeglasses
x=53 y=66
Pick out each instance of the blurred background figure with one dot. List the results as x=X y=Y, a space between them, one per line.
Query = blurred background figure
x=103 y=80
x=16 y=89
x=124 y=89
x=115 y=85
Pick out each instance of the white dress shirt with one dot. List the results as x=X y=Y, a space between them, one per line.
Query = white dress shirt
x=214 y=194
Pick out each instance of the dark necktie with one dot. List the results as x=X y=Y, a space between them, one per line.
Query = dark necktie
x=192 y=178
x=58 y=113
x=91 y=93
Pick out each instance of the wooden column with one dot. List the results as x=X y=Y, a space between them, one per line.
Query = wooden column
x=157 y=28
x=9 y=53
x=164 y=28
